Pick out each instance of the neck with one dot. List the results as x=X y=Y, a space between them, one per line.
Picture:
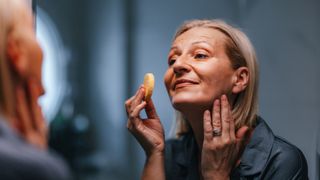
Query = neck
x=195 y=119
x=194 y=115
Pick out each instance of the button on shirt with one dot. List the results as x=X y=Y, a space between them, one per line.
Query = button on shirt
x=265 y=157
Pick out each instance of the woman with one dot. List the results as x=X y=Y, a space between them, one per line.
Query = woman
x=23 y=132
x=212 y=81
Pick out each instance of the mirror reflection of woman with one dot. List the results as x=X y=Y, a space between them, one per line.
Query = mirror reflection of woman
x=212 y=82
x=23 y=131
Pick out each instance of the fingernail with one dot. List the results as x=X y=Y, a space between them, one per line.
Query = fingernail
x=216 y=102
x=206 y=114
x=223 y=97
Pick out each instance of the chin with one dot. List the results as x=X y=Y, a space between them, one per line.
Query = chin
x=190 y=103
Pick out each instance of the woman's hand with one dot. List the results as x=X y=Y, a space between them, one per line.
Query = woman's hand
x=30 y=122
x=222 y=147
x=149 y=132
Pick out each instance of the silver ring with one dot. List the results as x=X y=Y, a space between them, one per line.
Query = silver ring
x=216 y=132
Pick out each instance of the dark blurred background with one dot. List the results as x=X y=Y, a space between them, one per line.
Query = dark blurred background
x=96 y=53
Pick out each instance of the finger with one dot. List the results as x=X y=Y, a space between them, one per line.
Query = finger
x=128 y=102
x=151 y=110
x=130 y=124
x=241 y=136
x=38 y=120
x=136 y=111
x=216 y=118
x=225 y=116
x=131 y=102
x=132 y=98
x=242 y=132
x=23 y=111
x=138 y=98
x=232 y=125
x=127 y=105
x=207 y=127
x=134 y=116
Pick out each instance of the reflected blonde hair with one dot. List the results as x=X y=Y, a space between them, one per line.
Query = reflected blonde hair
x=241 y=54
x=9 y=13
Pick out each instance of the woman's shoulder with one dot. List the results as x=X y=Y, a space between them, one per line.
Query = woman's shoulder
x=286 y=152
x=21 y=160
x=281 y=148
x=288 y=160
x=275 y=157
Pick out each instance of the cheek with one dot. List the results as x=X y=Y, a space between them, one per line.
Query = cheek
x=219 y=85
x=168 y=79
x=216 y=83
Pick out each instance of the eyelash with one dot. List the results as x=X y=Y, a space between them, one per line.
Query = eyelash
x=197 y=56
x=171 y=62
x=201 y=56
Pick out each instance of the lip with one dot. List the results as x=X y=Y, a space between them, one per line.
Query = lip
x=183 y=82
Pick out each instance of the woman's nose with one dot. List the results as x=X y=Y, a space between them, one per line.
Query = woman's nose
x=181 y=66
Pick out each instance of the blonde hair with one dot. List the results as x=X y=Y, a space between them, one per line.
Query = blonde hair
x=8 y=18
x=241 y=54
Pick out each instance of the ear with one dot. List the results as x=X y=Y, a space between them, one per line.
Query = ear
x=17 y=56
x=240 y=80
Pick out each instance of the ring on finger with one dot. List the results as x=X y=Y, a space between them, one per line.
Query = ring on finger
x=216 y=132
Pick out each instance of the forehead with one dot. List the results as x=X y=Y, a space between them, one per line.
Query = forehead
x=206 y=34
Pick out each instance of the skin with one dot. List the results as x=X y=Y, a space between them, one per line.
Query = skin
x=148 y=132
x=200 y=82
x=25 y=57
x=202 y=60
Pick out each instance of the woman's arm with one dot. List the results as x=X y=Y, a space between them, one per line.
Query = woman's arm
x=154 y=167
x=148 y=132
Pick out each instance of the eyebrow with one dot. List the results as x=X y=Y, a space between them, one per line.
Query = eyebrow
x=174 y=48
x=197 y=42
x=200 y=42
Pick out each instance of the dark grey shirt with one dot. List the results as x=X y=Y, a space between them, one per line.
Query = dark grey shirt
x=265 y=157
x=21 y=161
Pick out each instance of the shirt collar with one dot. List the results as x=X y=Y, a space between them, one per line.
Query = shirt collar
x=187 y=158
x=253 y=159
x=188 y=150
x=257 y=152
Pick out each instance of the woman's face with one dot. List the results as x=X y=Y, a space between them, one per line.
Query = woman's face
x=199 y=70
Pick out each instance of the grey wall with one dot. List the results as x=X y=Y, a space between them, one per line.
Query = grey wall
x=114 y=43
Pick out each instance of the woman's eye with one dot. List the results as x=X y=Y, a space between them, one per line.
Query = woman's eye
x=200 y=56
x=171 y=61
